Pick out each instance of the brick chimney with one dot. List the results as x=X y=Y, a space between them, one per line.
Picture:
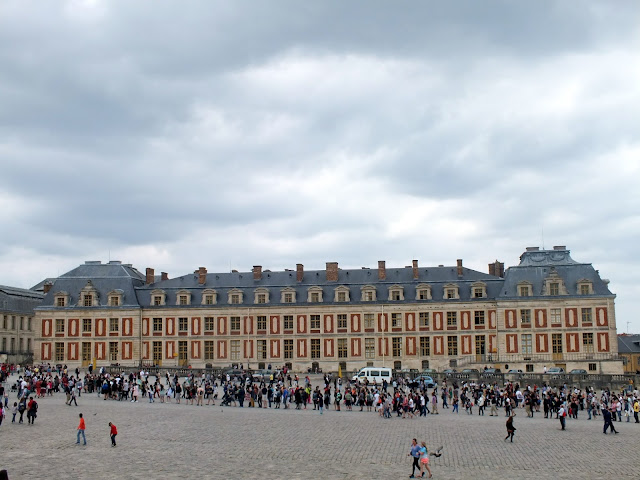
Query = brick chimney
x=47 y=287
x=459 y=267
x=382 y=270
x=164 y=276
x=299 y=272
x=202 y=275
x=257 y=272
x=415 y=269
x=496 y=269
x=332 y=271
x=492 y=269
x=150 y=276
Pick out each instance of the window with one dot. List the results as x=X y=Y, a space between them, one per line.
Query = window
x=60 y=302
x=342 y=320
x=368 y=320
x=525 y=316
x=157 y=352
x=262 y=349
x=157 y=300
x=261 y=322
x=478 y=317
x=4 y=344
x=396 y=293
x=235 y=298
x=396 y=346
x=396 y=320
x=425 y=346
x=183 y=324
x=587 y=342
x=556 y=343
x=452 y=319
x=584 y=289
x=424 y=319
x=368 y=293
x=592 y=367
x=526 y=344
x=288 y=349
x=59 y=325
x=13 y=345
x=315 y=322
x=113 y=351
x=209 y=299
x=13 y=322
x=478 y=292
x=423 y=292
x=528 y=368
x=261 y=298
x=208 y=349
x=556 y=315
x=451 y=291
x=59 y=352
x=88 y=300
x=29 y=324
x=452 y=345
x=554 y=288
x=288 y=322
x=21 y=323
x=113 y=325
x=4 y=322
x=114 y=301
x=525 y=291
x=86 y=325
x=342 y=348
x=315 y=348
x=370 y=348
x=235 y=349
x=235 y=324
x=209 y=324
x=28 y=344
x=315 y=297
x=342 y=296
x=183 y=300
x=157 y=325
x=586 y=315
x=288 y=297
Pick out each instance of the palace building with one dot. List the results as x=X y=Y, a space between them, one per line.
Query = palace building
x=547 y=311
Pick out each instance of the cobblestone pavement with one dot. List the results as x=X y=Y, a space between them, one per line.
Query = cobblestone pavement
x=183 y=441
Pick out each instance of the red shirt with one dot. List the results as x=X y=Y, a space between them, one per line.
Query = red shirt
x=81 y=426
x=114 y=430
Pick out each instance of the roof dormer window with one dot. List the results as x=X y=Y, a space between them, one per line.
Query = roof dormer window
x=525 y=289
x=158 y=298
x=451 y=292
x=423 y=292
x=368 y=293
x=314 y=295
x=554 y=285
x=209 y=297
x=341 y=294
x=235 y=296
x=288 y=295
x=478 y=290
x=61 y=299
x=115 y=298
x=261 y=295
x=183 y=298
x=396 y=293
x=585 y=287
x=88 y=296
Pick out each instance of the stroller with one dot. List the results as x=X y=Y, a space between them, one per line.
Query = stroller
x=226 y=400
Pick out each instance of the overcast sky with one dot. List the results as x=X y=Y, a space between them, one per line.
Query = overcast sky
x=230 y=134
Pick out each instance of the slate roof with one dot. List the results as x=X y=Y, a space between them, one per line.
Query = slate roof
x=19 y=299
x=628 y=343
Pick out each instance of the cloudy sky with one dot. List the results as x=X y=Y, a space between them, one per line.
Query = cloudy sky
x=231 y=134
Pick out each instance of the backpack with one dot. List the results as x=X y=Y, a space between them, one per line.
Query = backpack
x=564 y=413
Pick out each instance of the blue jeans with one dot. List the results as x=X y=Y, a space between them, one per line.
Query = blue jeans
x=81 y=432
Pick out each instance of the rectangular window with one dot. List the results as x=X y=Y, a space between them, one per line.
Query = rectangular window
x=478 y=317
x=59 y=352
x=584 y=289
x=28 y=345
x=209 y=324
x=554 y=288
x=452 y=345
x=88 y=300
x=424 y=319
x=157 y=352
x=86 y=325
x=115 y=301
x=526 y=344
x=288 y=349
x=342 y=320
x=261 y=322
x=113 y=325
x=395 y=295
x=183 y=324
x=368 y=320
x=21 y=324
x=451 y=293
x=396 y=320
x=13 y=322
x=556 y=343
x=235 y=298
x=262 y=298
x=157 y=324
x=368 y=296
x=315 y=297
x=59 y=302
x=183 y=300
x=556 y=315
x=235 y=324
x=524 y=291
x=29 y=323
x=315 y=322
x=528 y=368
x=208 y=350
x=113 y=351
x=262 y=349
x=396 y=346
x=4 y=344
x=288 y=298
x=370 y=348
x=288 y=322
x=423 y=294
x=587 y=342
x=452 y=319
x=157 y=300
x=235 y=349
x=13 y=345
x=478 y=292
x=586 y=315
x=525 y=316
x=342 y=348
x=208 y=299
x=342 y=296
x=593 y=367
x=425 y=346
x=59 y=325
x=315 y=348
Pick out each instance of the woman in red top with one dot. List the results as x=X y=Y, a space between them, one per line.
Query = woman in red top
x=114 y=432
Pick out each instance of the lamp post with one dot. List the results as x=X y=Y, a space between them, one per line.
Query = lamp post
x=384 y=344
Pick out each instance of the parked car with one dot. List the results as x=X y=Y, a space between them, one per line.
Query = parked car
x=515 y=370
x=426 y=379
x=491 y=370
x=578 y=371
x=260 y=375
x=233 y=372
x=470 y=370
x=449 y=371
x=555 y=371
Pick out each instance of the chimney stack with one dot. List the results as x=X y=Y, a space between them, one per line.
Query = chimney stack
x=150 y=276
x=164 y=276
x=332 y=271
x=415 y=269
x=47 y=287
x=560 y=247
x=257 y=272
x=299 y=272
x=459 y=267
x=496 y=269
x=202 y=275
x=382 y=270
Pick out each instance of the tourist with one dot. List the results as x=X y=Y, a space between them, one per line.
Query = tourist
x=424 y=459
x=510 y=428
x=415 y=453
x=81 y=429
x=113 y=433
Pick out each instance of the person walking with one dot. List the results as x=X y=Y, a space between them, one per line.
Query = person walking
x=415 y=453
x=81 y=429
x=562 y=415
x=606 y=415
x=113 y=433
x=424 y=460
x=510 y=428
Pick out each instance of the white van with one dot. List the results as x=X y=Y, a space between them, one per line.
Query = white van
x=374 y=375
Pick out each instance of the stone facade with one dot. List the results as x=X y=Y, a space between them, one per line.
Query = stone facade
x=547 y=311
x=17 y=326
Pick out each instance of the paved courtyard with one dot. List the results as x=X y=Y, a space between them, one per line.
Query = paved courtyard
x=182 y=441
